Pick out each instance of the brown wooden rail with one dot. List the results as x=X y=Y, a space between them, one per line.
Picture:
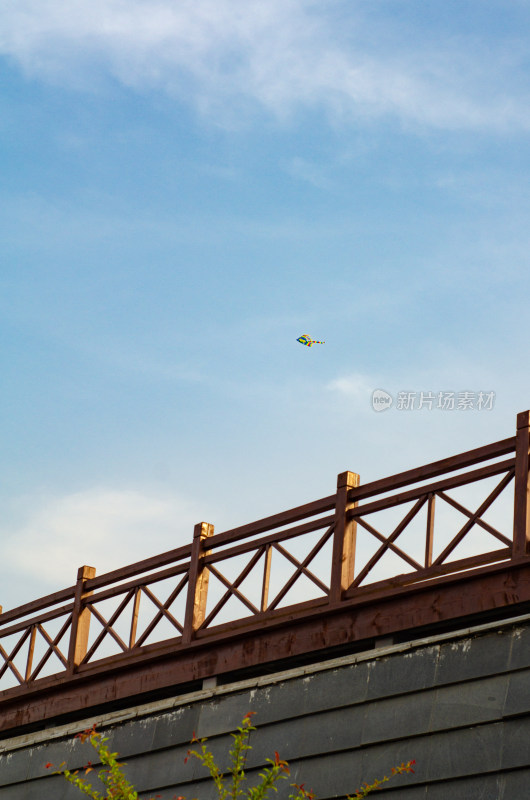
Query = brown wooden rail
x=334 y=519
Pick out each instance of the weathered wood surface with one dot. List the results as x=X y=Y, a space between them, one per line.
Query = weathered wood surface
x=297 y=634
x=348 y=607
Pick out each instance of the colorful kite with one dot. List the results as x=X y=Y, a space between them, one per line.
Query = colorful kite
x=307 y=341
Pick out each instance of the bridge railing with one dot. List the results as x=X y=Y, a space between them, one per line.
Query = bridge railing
x=257 y=567
x=427 y=497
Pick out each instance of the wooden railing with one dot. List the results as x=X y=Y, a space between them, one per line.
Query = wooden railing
x=244 y=564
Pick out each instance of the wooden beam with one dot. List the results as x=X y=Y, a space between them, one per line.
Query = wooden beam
x=442 y=485
x=146 y=565
x=37 y=605
x=278 y=536
x=275 y=521
x=344 y=538
x=80 y=620
x=26 y=623
x=199 y=576
x=521 y=515
x=434 y=469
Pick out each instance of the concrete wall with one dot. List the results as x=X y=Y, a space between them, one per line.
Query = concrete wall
x=458 y=703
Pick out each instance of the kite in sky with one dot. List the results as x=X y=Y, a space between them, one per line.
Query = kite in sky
x=307 y=341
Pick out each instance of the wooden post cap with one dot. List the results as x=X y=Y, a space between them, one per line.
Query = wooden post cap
x=347 y=479
x=84 y=573
x=203 y=530
x=523 y=419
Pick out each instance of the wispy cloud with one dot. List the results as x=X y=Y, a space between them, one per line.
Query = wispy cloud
x=352 y=386
x=102 y=527
x=232 y=56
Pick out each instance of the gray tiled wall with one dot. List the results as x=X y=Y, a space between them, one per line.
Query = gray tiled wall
x=459 y=707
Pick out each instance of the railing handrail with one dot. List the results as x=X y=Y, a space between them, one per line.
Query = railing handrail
x=37 y=605
x=280 y=520
x=432 y=470
x=279 y=536
x=153 y=577
x=145 y=565
x=274 y=521
x=419 y=491
x=27 y=623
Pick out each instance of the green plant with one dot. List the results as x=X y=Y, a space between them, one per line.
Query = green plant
x=278 y=769
x=118 y=788
x=366 y=789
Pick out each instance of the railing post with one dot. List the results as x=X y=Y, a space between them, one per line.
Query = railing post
x=344 y=538
x=80 y=620
x=197 y=583
x=521 y=512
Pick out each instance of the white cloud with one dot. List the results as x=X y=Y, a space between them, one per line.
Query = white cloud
x=230 y=56
x=101 y=527
x=352 y=386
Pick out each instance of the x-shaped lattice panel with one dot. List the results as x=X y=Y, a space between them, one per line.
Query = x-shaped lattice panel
x=232 y=587
x=31 y=634
x=136 y=592
x=474 y=518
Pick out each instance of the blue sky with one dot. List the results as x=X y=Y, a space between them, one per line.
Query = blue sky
x=187 y=187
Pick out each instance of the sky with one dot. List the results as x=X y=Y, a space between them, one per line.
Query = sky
x=187 y=188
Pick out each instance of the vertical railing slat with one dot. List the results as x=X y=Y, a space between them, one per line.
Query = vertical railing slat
x=31 y=650
x=430 y=529
x=134 y=618
x=266 y=578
